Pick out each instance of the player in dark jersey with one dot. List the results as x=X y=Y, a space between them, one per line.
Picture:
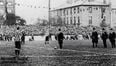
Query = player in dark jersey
x=94 y=38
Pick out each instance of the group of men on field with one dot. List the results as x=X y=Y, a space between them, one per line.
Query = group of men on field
x=20 y=38
x=104 y=36
x=59 y=37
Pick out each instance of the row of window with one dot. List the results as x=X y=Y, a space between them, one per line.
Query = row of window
x=77 y=10
x=66 y=20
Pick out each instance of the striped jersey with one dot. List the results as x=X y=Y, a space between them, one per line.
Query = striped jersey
x=17 y=36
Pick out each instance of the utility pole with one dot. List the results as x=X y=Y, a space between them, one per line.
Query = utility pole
x=110 y=13
x=49 y=14
x=6 y=12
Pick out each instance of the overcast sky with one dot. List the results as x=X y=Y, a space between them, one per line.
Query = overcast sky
x=32 y=13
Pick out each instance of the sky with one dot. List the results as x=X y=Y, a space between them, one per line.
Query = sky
x=30 y=14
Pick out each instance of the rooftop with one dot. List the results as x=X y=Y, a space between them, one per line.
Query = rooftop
x=80 y=3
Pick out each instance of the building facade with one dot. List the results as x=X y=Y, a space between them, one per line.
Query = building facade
x=84 y=14
x=10 y=6
x=113 y=17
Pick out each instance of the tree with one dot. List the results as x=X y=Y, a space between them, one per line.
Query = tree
x=52 y=21
x=59 y=21
x=1 y=20
x=20 y=21
x=41 y=22
x=44 y=22
x=56 y=21
x=10 y=19
x=103 y=24
x=38 y=21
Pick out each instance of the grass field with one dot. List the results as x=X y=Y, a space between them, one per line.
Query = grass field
x=74 y=53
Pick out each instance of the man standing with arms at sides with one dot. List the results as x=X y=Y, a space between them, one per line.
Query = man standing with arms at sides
x=112 y=37
x=17 y=42
x=104 y=37
x=60 y=38
x=94 y=38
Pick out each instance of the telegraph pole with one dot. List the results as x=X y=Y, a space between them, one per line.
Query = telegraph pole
x=110 y=13
x=6 y=12
x=49 y=14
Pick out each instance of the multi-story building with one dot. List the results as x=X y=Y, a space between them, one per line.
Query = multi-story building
x=10 y=6
x=84 y=13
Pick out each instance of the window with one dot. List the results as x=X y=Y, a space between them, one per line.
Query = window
x=90 y=9
x=61 y=12
x=64 y=19
x=64 y=12
x=71 y=11
x=87 y=9
x=78 y=21
x=70 y=20
x=78 y=10
x=96 y=8
x=103 y=10
x=67 y=20
x=74 y=20
x=83 y=9
x=90 y=20
x=74 y=10
x=67 y=11
x=57 y=13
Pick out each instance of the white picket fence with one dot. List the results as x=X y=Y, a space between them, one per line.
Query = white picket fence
x=42 y=38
